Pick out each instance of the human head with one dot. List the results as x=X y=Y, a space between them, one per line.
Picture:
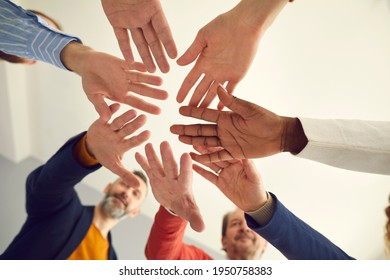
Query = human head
x=21 y=60
x=124 y=200
x=238 y=240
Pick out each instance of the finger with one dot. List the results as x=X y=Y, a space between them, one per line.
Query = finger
x=210 y=96
x=117 y=168
x=121 y=120
x=195 y=130
x=205 y=114
x=142 y=105
x=192 y=52
x=131 y=127
x=207 y=150
x=216 y=166
x=148 y=91
x=241 y=107
x=208 y=141
x=136 y=140
x=123 y=39
x=251 y=170
x=101 y=106
x=160 y=24
x=137 y=77
x=196 y=220
x=114 y=108
x=186 y=169
x=188 y=83
x=143 y=49
x=210 y=176
x=219 y=156
x=154 y=161
x=170 y=165
x=143 y=162
x=230 y=87
x=200 y=91
x=155 y=47
x=138 y=66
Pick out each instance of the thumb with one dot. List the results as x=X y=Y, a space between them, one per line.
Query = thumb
x=237 y=105
x=101 y=108
x=191 y=53
x=196 y=221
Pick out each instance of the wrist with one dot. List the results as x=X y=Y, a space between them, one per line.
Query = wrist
x=294 y=139
x=259 y=204
x=74 y=55
x=260 y=14
x=88 y=147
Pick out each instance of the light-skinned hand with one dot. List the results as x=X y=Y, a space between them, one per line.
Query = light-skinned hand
x=172 y=187
x=238 y=180
x=108 y=142
x=225 y=48
x=145 y=19
x=106 y=76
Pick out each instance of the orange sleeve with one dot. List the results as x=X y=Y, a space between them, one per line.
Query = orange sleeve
x=82 y=155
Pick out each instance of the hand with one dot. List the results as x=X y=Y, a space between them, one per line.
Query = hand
x=248 y=131
x=224 y=49
x=172 y=189
x=149 y=29
x=106 y=76
x=108 y=142
x=238 y=180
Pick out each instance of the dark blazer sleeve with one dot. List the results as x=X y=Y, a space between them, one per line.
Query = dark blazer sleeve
x=51 y=186
x=295 y=239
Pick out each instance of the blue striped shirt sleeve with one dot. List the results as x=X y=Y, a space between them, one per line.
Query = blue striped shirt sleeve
x=24 y=34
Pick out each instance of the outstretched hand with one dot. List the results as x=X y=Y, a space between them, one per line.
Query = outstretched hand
x=220 y=56
x=108 y=142
x=172 y=188
x=225 y=48
x=238 y=180
x=145 y=19
x=105 y=76
x=247 y=131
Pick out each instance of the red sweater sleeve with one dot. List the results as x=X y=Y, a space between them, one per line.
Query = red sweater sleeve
x=165 y=240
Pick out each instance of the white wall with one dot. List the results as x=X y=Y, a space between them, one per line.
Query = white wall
x=319 y=59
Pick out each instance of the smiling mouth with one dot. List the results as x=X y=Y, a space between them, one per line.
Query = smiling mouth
x=243 y=236
x=121 y=199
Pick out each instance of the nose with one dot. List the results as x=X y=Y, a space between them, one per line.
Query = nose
x=244 y=228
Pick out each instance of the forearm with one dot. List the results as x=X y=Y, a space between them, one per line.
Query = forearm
x=294 y=238
x=165 y=241
x=60 y=173
x=259 y=14
x=23 y=34
x=350 y=144
x=165 y=236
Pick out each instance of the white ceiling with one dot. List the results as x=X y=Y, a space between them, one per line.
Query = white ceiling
x=319 y=59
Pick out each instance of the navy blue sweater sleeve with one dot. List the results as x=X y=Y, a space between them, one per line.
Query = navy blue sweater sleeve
x=295 y=239
x=51 y=186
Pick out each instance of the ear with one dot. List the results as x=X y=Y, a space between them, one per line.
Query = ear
x=224 y=243
x=135 y=212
